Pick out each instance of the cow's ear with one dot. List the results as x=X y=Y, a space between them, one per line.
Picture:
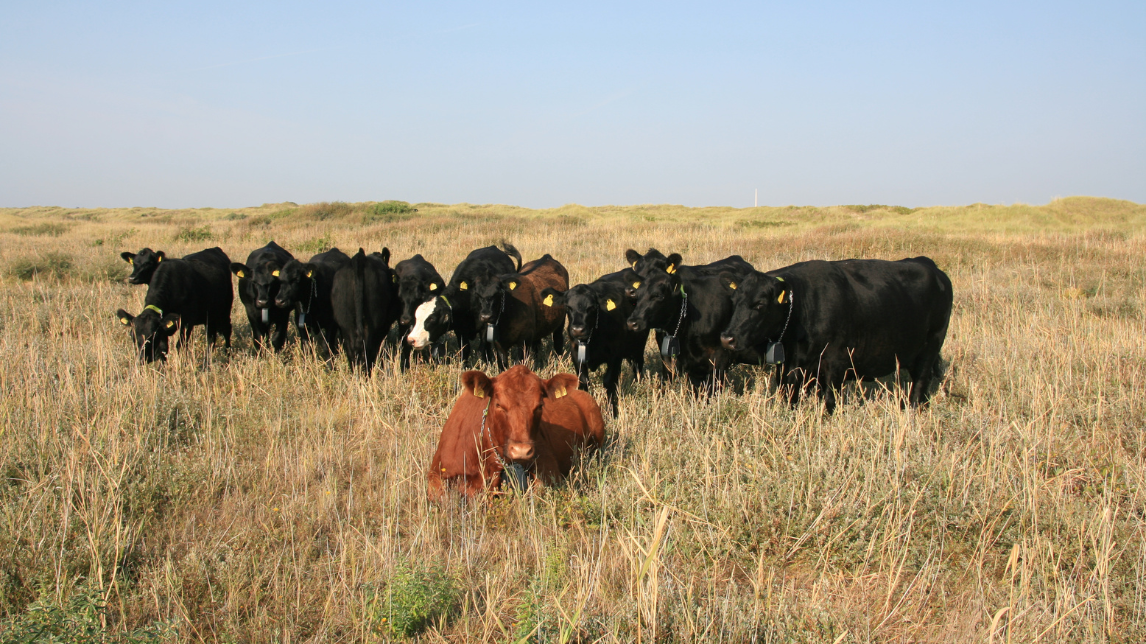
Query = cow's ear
x=632 y=256
x=560 y=385
x=240 y=270
x=552 y=297
x=477 y=383
x=170 y=323
x=511 y=281
x=159 y=256
x=674 y=261
x=309 y=268
x=730 y=282
x=385 y=255
x=128 y=257
x=125 y=318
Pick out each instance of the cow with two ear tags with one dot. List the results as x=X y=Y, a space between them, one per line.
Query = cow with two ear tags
x=511 y=424
x=143 y=264
x=480 y=265
x=511 y=311
x=182 y=294
x=306 y=288
x=418 y=283
x=597 y=313
x=258 y=286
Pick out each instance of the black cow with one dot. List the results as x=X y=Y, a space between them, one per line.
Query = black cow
x=859 y=318
x=418 y=282
x=364 y=299
x=481 y=265
x=655 y=261
x=182 y=294
x=258 y=286
x=143 y=264
x=597 y=314
x=306 y=289
x=511 y=311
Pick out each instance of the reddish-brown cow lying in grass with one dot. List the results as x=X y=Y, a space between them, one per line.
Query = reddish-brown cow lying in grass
x=539 y=424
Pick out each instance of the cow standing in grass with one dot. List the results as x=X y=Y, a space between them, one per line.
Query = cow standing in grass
x=458 y=304
x=364 y=300
x=258 y=286
x=515 y=421
x=511 y=310
x=852 y=319
x=182 y=294
x=418 y=283
x=306 y=288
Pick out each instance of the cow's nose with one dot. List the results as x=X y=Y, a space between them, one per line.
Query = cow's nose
x=519 y=451
x=411 y=341
x=728 y=341
x=486 y=318
x=280 y=303
x=578 y=330
x=262 y=304
x=634 y=325
x=405 y=320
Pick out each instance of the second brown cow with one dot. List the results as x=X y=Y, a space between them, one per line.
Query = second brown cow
x=513 y=418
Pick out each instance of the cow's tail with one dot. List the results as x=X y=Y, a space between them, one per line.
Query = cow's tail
x=359 y=261
x=512 y=252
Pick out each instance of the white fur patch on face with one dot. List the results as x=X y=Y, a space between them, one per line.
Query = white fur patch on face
x=419 y=336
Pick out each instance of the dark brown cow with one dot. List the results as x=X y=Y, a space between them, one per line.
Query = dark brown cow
x=514 y=418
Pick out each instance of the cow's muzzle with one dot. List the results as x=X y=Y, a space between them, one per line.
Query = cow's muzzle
x=262 y=304
x=728 y=341
x=577 y=331
x=519 y=451
x=634 y=325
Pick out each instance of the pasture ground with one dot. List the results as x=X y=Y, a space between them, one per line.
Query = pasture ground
x=262 y=498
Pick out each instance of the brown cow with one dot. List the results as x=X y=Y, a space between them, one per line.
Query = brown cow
x=513 y=307
x=515 y=417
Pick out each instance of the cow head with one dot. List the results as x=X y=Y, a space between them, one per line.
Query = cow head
x=432 y=320
x=583 y=304
x=632 y=282
x=513 y=418
x=143 y=264
x=658 y=303
x=652 y=262
x=296 y=284
x=150 y=331
x=488 y=295
x=760 y=307
x=263 y=279
x=414 y=291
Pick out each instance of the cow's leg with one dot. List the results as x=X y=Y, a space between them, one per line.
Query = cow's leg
x=278 y=338
x=559 y=340
x=404 y=357
x=610 y=380
x=796 y=380
x=922 y=374
x=538 y=356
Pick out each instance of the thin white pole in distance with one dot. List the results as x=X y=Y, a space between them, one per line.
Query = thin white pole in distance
x=756 y=199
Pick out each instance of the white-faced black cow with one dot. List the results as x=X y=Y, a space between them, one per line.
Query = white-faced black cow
x=258 y=286
x=597 y=314
x=143 y=264
x=306 y=289
x=510 y=309
x=418 y=282
x=365 y=303
x=182 y=294
x=481 y=265
x=859 y=318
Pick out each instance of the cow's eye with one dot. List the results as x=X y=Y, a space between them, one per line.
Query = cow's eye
x=759 y=306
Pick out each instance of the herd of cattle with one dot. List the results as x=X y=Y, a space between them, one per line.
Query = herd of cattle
x=819 y=322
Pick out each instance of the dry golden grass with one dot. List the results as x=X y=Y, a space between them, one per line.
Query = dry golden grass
x=257 y=498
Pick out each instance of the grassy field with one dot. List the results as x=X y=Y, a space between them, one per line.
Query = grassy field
x=279 y=498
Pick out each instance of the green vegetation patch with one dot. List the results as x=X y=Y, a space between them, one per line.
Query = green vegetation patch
x=416 y=596
x=386 y=211
x=78 y=620
x=192 y=234
x=316 y=245
x=50 y=264
x=46 y=229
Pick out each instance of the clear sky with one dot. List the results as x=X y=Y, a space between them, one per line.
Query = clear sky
x=176 y=104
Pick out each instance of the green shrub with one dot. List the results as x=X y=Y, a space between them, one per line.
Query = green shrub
x=325 y=210
x=901 y=210
x=41 y=230
x=52 y=264
x=388 y=211
x=415 y=597
x=316 y=245
x=201 y=234
x=76 y=621
x=235 y=216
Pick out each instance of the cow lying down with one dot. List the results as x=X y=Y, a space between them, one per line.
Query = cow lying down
x=513 y=418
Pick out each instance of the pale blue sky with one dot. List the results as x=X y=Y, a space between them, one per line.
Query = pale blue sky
x=539 y=104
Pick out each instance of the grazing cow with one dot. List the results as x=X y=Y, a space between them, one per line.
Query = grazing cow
x=364 y=300
x=143 y=264
x=514 y=419
x=418 y=282
x=597 y=314
x=511 y=311
x=182 y=294
x=258 y=286
x=858 y=318
x=306 y=289
x=481 y=265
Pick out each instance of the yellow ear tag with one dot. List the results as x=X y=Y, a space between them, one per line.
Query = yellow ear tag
x=779 y=279
x=512 y=285
x=732 y=285
x=560 y=392
x=463 y=286
x=479 y=392
x=131 y=260
x=780 y=300
x=241 y=274
x=170 y=323
x=125 y=321
x=548 y=301
x=610 y=305
x=636 y=284
x=634 y=265
x=160 y=258
x=671 y=269
x=274 y=274
x=394 y=278
x=310 y=273
x=433 y=287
